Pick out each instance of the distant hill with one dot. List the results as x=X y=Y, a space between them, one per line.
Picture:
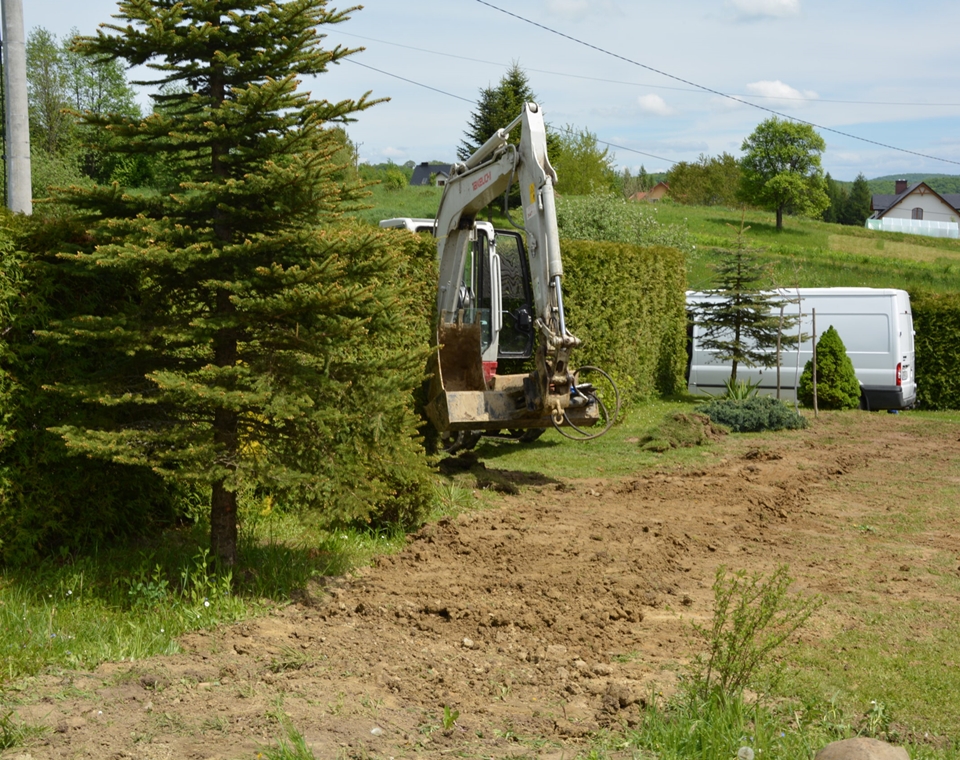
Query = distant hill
x=942 y=183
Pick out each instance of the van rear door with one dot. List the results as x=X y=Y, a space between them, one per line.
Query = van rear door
x=906 y=352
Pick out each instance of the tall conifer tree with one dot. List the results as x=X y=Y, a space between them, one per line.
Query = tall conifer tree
x=496 y=108
x=740 y=324
x=251 y=335
x=857 y=206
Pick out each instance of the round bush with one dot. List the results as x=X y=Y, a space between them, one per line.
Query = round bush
x=837 y=384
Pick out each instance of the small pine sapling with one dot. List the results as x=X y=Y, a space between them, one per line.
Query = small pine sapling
x=738 y=324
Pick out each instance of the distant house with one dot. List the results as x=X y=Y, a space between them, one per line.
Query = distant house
x=424 y=171
x=658 y=191
x=916 y=209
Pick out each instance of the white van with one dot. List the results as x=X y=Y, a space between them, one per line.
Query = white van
x=875 y=325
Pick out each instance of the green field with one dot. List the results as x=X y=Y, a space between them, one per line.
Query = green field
x=806 y=253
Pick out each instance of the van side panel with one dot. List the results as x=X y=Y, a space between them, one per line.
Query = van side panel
x=876 y=327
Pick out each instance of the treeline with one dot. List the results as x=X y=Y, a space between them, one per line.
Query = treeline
x=71 y=99
x=718 y=181
x=941 y=183
x=61 y=84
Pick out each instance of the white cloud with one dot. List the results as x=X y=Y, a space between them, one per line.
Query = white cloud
x=655 y=105
x=780 y=94
x=394 y=152
x=754 y=9
x=578 y=9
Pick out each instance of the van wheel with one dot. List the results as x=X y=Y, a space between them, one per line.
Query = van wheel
x=864 y=404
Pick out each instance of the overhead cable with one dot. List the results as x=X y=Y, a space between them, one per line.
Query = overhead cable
x=567 y=74
x=467 y=100
x=623 y=58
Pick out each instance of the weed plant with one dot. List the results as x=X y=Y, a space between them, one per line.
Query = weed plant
x=716 y=727
x=15 y=733
x=710 y=718
x=293 y=746
x=752 y=616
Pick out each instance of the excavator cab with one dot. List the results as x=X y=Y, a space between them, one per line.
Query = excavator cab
x=515 y=339
x=496 y=275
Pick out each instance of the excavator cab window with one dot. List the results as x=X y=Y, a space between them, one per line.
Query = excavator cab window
x=476 y=269
x=517 y=332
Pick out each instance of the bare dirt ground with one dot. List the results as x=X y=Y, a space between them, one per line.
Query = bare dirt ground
x=540 y=621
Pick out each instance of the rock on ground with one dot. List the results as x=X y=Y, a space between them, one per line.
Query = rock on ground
x=862 y=748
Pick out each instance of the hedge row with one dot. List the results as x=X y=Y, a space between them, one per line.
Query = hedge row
x=936 y=322
x=52 y=501
x=627 y=305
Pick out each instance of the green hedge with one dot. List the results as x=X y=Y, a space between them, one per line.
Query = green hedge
x=936 y=322
x=627 y=305
x=52 y=501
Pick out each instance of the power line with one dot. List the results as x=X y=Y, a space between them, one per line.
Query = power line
x=646 y=84
x=618 y=147
x=467 y=100
x=604 y=51
x=410 y=81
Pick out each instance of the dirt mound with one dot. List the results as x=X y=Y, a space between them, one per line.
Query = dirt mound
x=559 y=612
x=682 y=430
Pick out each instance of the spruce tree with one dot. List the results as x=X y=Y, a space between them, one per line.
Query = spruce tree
x=496 y=108
x=856 y=209
x=838 y=201
x=740 y=324
x=252 y=339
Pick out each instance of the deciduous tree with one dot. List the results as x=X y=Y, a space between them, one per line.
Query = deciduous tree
x=781 y=169
x=48 y=92
x=582 y=166
x=708 y=181
x=62 y=84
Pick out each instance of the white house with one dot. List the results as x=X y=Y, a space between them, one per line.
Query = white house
x=916 y=209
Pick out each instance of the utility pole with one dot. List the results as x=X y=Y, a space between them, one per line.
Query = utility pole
x=17 y=142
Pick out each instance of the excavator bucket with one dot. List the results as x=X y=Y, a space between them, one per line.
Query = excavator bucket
x=460 y=399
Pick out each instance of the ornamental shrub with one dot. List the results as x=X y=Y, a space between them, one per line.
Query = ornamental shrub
x=752 y=415
x=610 y=218
x=837 y=384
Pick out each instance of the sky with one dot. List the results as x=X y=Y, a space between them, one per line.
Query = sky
x=658 y=82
